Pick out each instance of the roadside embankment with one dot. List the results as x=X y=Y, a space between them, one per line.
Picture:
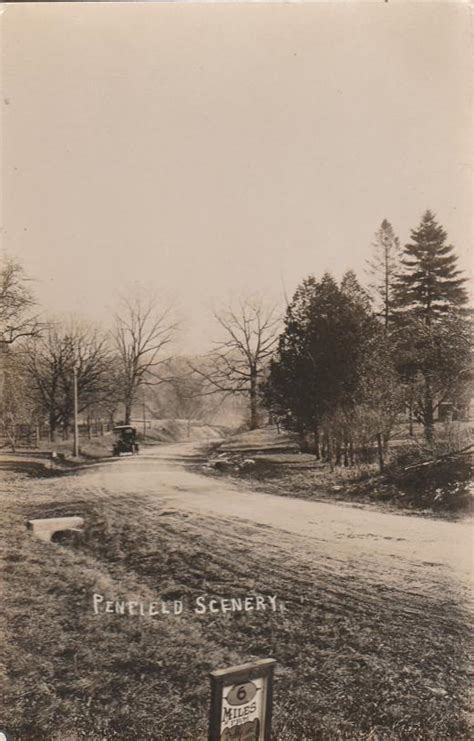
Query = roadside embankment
x=272 y=462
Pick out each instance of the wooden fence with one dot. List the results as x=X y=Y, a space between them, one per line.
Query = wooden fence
x=32 y=436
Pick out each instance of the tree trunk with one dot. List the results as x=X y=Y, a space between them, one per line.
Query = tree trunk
x=387 y=291
x=52 y=429
x=428 y=416
x=128 y=411
x=253 y=400
x=346 y=458
x=331 y=466
x=316 y=443
x=380 y=451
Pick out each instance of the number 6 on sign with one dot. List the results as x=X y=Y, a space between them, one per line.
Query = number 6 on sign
x=242 y=693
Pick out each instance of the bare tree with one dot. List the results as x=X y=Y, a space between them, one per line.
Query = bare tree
x=16 y=409
x=188 y=399
x=383 y=269
x=49 y=363
x=183 y=392
x=17 y=318
x=142 y=330
x=250 y=333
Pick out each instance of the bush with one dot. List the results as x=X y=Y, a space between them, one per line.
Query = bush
x=439 y=484
x=449 y=437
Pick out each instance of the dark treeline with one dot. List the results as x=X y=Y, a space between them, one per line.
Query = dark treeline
x=350 y=362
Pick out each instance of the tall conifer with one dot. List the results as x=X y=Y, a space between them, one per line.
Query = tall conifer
x=432 y=353
x=429 y=283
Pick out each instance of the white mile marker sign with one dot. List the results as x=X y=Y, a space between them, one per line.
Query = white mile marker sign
x=241 y=702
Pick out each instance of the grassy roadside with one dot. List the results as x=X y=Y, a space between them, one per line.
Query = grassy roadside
x=268 y=462
x=364 y=485
x=54 y=459
x=356 y=660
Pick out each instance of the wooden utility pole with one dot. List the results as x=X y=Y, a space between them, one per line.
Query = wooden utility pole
x=76 y=423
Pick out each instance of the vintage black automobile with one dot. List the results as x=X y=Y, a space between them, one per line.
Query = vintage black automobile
x=125 y=440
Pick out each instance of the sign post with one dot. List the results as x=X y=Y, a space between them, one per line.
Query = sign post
x=241 y=702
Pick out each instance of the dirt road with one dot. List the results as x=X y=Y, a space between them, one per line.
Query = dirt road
x=415 y=552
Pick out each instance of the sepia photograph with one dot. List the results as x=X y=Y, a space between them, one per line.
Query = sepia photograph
x=236 y=400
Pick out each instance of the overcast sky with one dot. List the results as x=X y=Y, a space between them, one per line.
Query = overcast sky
x=214 y=149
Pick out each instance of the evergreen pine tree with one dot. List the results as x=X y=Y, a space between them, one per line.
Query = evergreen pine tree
x=352 y=290
x=429 y=299
x=429 y=283
x=314 y=372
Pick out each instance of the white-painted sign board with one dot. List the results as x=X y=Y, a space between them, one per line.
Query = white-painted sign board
x=241 y=704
